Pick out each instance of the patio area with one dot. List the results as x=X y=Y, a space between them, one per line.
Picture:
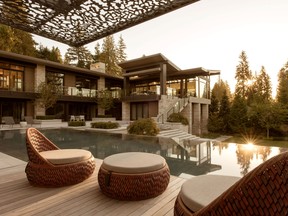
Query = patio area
x=18 y=197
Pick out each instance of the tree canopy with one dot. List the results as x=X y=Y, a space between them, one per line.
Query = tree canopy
x=243 y=76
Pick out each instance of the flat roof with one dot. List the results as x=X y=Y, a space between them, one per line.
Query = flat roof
x=78 y=22
x=33 y=60
x=148 y=65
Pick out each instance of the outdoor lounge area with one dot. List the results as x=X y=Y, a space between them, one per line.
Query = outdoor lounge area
x=260 y=191
x=18 y=197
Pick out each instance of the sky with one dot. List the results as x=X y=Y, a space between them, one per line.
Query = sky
x=212 y=34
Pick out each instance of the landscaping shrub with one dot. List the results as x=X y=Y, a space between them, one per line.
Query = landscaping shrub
x=178 y=117
x=144 y=127
x=104 y=116
x=76 y=123
x=46 y=117
x=105 y=125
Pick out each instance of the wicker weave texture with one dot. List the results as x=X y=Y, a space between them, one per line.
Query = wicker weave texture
x=140 y=186
x=263 y=191
x=41 y=172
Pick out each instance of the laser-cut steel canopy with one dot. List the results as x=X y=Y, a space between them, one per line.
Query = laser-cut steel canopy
x=78 y=22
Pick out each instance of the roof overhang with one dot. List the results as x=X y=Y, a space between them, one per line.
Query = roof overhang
x=31 y=60
x=147 y=64
x=149 y=67
x=194 y=72
x=78 y=22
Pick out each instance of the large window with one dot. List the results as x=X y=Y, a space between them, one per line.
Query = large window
x=11 y=77
x=85 y=86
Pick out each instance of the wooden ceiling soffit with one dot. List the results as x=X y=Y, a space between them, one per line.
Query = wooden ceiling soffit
x=78 y=22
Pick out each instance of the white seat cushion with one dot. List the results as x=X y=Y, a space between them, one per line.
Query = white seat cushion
x=133 y=162
x=66 y=156
x=199 y=191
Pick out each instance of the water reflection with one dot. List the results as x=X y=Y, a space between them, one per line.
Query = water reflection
x=193 y=157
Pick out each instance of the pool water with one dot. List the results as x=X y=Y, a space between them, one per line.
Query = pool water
x=184 y=159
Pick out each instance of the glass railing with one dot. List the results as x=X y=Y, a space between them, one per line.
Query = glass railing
x=84 y=92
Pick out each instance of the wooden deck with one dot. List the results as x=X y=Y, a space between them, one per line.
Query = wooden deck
x=18 y=197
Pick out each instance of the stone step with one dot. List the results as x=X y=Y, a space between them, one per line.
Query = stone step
x=186 y=136
x=170 y=131
x=174 y=134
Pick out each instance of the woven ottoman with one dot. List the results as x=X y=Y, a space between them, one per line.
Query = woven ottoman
x=199 y=191
x=133 y=176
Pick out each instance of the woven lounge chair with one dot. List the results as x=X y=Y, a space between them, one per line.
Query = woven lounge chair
x=30 y=121
x=263 y=191
x=8 y=120
x=53 y=167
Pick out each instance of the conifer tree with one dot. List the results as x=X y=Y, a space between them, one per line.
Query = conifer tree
x=52 y=55
x=243 y=76
x=224 y=112
x=78 y=56
x=238 y=118
x=282 y=88
x=111 y=55
x=121 y=55
x=219 y=88
x=17 y=41
x=213 y=120
x=261 y=89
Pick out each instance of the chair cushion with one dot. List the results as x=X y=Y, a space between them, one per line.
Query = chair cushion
x=133 y=162
x=66 y=156
x=199 y=191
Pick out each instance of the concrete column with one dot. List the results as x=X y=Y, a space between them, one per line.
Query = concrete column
x=199 y=88
x=204 y=117
x=40 y=76
x=186 y=87
x=101 y=86
x=163 y=79
x=125 y=111
x=181 y=88
x=196 y=119
x=101 y=83
x=126 y=86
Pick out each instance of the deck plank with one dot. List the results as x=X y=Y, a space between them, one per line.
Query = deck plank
x=18 y=197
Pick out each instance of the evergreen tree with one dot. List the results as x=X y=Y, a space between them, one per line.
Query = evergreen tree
x=17 y=41
x=56 y=55
x=111 y=55
x=261 y=89
x=7 y=41
x=219 y=88
x=243 y=76
x=24 y=43
x=78 y=56
x=121 y=55
x=238 y=120
x=214 y=106
x=224 y=113
x=282 y=88
x=52 y=55
x=213 y=120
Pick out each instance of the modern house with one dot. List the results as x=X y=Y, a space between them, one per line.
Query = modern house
x=21 y=75
x=155 y=87
x=152 y=86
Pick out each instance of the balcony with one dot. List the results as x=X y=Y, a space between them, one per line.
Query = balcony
x=141 y=97
x=17 y=94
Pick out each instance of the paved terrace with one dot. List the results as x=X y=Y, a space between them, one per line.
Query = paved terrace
x=18 y=197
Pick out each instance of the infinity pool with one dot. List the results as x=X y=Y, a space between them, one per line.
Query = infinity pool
x=184 y=159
